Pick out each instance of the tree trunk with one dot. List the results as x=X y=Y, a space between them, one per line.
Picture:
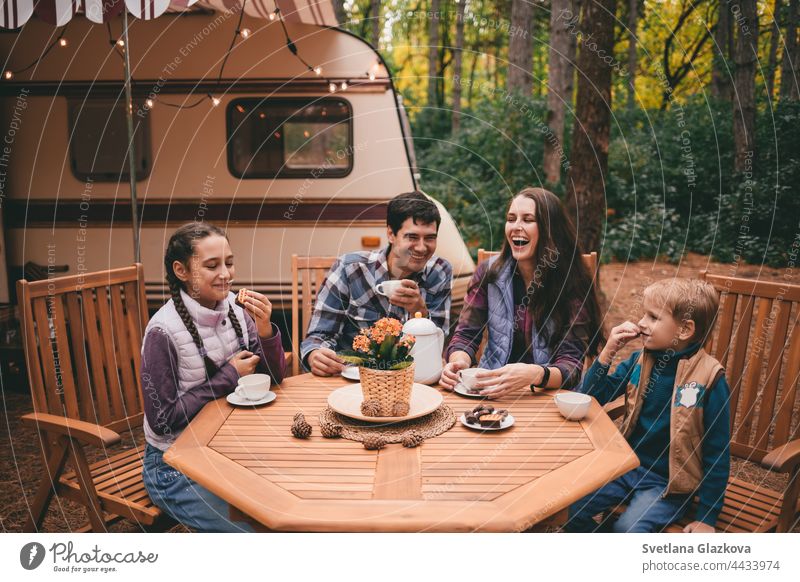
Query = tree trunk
x=789 y=80
x=744 y=102
x=633 y=54
x=457 y=66
x=590 y=133
x=520 y=47
x=433 y=53
x=375 y=14
x=721 y=86
x=563 y=21
x=773 y=50
x=338 y=9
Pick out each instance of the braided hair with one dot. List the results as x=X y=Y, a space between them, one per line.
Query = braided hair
x=181 y=248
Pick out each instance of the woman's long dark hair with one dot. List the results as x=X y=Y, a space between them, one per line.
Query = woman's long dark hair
x=561 y=280
x=181 y=248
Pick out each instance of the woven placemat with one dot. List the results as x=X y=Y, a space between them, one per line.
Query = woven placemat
x=431 y=425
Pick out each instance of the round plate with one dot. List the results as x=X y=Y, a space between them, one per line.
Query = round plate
x=462 y=390
x=347 y=401
x=507 y=422
x=351 y=373
x=237 y=400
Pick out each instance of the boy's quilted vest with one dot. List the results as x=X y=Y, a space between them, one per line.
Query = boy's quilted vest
x=695 y=376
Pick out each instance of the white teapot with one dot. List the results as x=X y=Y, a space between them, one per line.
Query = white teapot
x=427 y=351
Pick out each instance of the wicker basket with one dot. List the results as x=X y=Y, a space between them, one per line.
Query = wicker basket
x=387 y=387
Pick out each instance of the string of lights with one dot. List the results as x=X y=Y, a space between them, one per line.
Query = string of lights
x=118 y=46
x=62 y=42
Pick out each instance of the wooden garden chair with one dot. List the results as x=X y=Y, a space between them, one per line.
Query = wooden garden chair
x=83 y=337
x=589 y=260
x=312 y=271
x=758 y=343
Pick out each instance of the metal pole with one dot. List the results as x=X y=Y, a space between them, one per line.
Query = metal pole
x=131 y=143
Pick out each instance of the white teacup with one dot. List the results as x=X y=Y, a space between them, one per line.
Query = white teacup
x=573 y=405
x=388 y=287
x=468 y=377
x=253 y=386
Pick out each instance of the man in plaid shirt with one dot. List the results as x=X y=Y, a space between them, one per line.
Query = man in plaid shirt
x=348 y=300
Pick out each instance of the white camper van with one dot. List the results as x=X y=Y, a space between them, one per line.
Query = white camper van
x=294 y=147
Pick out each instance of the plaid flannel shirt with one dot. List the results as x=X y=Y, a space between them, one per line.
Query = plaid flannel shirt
x=348 y=301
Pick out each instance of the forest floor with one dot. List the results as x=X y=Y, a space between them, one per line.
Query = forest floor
x=621 y=285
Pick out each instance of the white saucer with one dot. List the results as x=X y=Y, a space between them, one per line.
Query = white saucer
x=507 y=422
x=237 y=400
x=347 y=401
x=464 y=391
x=351 y=373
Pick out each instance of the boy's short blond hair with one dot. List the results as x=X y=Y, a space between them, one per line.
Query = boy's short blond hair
x=687 y=299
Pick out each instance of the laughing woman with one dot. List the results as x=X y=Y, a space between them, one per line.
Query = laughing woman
x=536 y=298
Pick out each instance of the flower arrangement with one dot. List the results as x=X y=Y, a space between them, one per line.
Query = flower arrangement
x=382 y=346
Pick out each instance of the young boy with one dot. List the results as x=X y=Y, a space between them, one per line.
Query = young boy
x=677 y=416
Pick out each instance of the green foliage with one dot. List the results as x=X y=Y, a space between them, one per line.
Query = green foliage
x=497 y=152
x=671 y=185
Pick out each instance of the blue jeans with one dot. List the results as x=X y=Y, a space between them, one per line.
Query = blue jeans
x=647 y=510
x=183 y=499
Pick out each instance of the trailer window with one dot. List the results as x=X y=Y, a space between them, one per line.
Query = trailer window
x=289 y=138
x=98 y=141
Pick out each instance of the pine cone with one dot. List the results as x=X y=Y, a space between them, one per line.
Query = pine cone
x=300 y=428
x=413 y=439
x=371 y=408
x=330 y=430
x=373 y=442
x=400 y=409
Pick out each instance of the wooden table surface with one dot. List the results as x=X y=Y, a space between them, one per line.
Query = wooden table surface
x=462 y=480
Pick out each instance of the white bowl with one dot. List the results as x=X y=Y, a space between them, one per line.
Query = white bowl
x=573 y=405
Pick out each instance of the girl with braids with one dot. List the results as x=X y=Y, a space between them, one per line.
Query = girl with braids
x=537 y=300
x=195 y=349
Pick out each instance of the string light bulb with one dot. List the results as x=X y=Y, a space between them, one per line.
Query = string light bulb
x=215 y=101
x=8 y=75
x=272 y=14
x=63 y=42
x=343 y=85
x=331 y=87
x=318 y=70
x=371 y=76
x=150 y=103
x=121 y=43
x=244 y=33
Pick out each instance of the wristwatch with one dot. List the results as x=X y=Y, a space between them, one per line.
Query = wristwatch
x=545 y=379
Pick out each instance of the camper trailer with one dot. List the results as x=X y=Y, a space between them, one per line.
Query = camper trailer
x=275 y=124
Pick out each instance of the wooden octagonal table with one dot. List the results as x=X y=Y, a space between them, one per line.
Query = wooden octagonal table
x=462 y=480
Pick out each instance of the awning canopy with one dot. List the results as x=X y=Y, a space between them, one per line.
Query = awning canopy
x=15 y=13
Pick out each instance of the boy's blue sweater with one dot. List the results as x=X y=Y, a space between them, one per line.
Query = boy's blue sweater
x=651 y=435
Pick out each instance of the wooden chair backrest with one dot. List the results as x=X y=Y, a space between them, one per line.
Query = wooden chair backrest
x=589 y=260
x=312 y=271
x=757 y=339
x=83 y=337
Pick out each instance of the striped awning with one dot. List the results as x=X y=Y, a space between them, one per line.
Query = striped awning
x=15 y=13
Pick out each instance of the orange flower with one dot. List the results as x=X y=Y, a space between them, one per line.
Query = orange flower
x=361 y=343
x=407 y=341
x=389 y=325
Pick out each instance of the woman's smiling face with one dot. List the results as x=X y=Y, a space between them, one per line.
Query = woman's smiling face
x=522 y=231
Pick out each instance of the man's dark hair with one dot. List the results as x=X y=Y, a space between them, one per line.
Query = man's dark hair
x=412 y=205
